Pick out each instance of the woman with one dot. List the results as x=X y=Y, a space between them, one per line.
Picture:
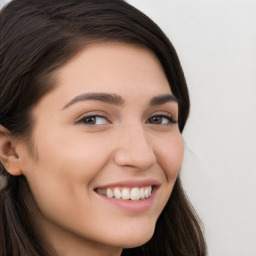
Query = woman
x=93 y=103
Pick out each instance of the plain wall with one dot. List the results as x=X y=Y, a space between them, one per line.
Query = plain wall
x=216 y=43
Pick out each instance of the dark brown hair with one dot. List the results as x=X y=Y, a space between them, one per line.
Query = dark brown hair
x=38 y=37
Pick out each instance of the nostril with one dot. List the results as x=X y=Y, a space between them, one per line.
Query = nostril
x=132 y=158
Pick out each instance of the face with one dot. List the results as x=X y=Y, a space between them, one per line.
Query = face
x=108 y=149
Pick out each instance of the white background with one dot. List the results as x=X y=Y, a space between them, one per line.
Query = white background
x=216 y=43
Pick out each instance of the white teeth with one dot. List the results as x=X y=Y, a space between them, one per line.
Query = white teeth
x=142 y=193
x=125 y=193
x=135 y=194
x=109 y=193
x=149 y=191
x=146 y=193
x=117 y=193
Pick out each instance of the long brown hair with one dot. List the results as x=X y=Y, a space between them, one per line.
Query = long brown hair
x=38 y=37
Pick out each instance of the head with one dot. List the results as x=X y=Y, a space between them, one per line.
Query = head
x=93 y=102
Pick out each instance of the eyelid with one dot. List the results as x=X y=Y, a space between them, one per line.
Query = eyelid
x=168 y=113
x=169 y=117
x=93 y=114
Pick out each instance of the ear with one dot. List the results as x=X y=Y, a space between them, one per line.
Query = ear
x=8 y=155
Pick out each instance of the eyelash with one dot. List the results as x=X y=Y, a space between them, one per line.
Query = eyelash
x=82 y=120
x=169 y=118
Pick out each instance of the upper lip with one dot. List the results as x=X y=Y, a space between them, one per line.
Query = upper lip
x=132 y=183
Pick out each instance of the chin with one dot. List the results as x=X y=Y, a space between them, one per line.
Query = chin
x=135 y=238
x=137 y=242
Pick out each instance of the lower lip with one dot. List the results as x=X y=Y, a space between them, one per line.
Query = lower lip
x=130 y=205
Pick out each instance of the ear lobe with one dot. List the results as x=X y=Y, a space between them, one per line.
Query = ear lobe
x=8 y=155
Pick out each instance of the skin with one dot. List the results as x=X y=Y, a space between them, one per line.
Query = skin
x=75 y=155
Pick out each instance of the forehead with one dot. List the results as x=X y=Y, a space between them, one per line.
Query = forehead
x=104 y=66
x=131 y=71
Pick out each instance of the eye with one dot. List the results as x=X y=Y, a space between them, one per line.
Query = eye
x=94 y=120
x=161 y=119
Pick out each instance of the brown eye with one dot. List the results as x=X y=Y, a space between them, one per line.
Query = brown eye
x=161 y=119
x=94 y=120
x=155 y=120
x=89 y=120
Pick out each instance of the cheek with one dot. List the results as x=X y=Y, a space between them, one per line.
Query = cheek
x=170 y=156
x=62 y=179
x=75 y=160
x=65 y=167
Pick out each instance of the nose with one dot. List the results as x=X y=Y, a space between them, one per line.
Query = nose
x=134 y=149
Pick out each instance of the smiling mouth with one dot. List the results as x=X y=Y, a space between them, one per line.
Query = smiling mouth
x=125 y=193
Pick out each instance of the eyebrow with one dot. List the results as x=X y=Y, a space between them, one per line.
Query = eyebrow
x=162 y=99
x=113 y=99
x=117 y=100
